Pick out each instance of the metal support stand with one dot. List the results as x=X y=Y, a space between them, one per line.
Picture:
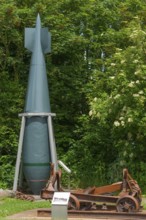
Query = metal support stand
x=20 y=145
x=52 y=143
x=18 y=161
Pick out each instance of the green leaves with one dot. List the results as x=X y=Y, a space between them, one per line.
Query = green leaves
x=118 y=99
x=97 y=82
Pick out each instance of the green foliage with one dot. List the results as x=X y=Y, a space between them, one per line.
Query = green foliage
x=97 y=83
x=6 y=171
x=118 y=98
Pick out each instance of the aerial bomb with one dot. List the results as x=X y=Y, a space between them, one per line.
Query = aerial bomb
x=36 y=155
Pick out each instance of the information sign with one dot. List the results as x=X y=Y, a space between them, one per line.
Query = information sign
x=60 y=198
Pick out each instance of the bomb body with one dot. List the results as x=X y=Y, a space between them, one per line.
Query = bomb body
x=36 y=150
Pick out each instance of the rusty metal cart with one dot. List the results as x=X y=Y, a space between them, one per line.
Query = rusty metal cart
x=127 y=199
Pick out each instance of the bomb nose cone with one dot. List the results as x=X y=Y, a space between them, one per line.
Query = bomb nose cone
x=38 y=21
x=38 y=41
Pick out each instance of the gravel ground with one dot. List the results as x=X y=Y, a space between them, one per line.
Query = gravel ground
x=32 y=215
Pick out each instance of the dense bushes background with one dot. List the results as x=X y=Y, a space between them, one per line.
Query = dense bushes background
x=97 y=82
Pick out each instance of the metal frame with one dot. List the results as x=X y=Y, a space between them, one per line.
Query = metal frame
x=21 y=137
x=127 y=199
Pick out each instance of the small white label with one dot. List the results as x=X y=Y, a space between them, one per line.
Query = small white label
x=60 y=198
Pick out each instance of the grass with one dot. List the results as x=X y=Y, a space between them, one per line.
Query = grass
x=144 y=202
x=10 y=206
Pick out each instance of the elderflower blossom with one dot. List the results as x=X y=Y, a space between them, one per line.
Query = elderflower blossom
x=121 y=118
x=117 y=123
x=122 y=61
x=90 y=113
x=98 y=114
x=137 y=81
x=130 y=120
x=135 y=95
x=141 y=92
x=137 y=72
x=122 y=123
x=112 y=77
x=135 y=61
x=131 y=84
x=118 y=49
x=117 y=96
x=113 y=64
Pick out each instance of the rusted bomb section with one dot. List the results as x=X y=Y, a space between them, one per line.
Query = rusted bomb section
x=128 y=194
